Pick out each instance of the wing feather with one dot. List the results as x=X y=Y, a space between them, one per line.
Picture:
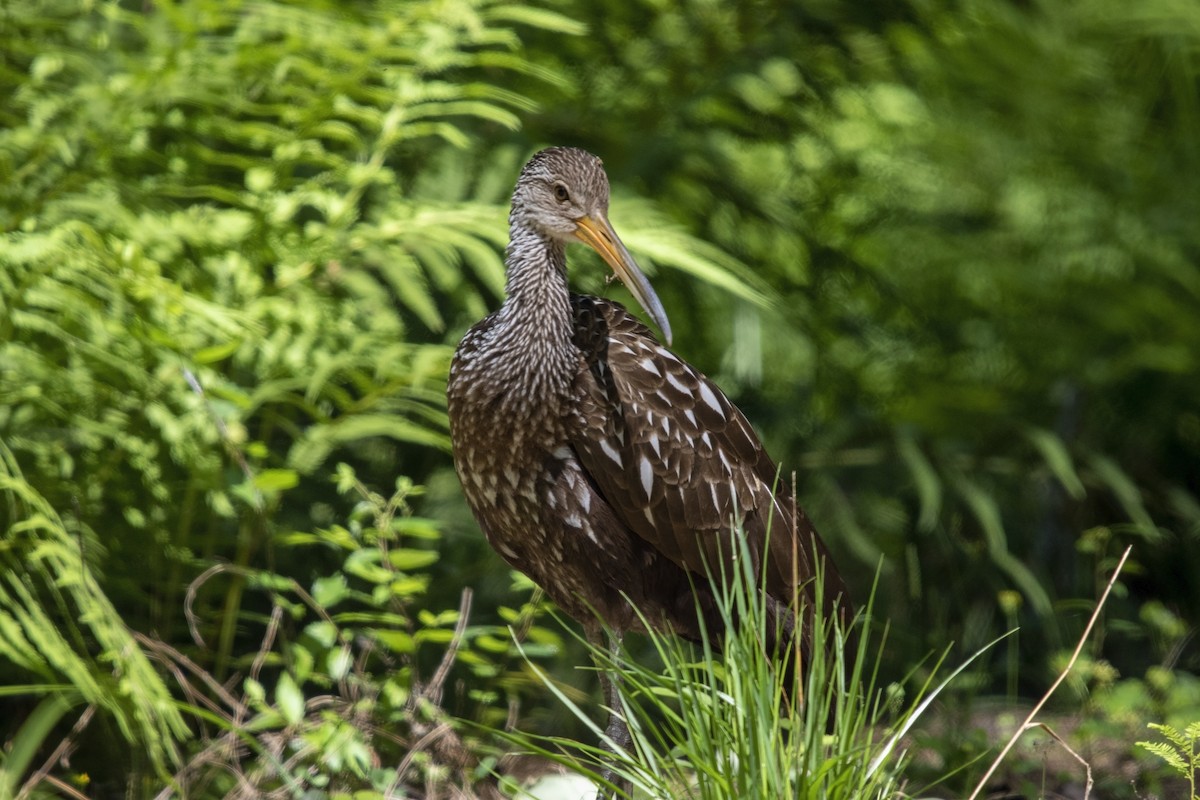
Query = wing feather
x=689 y=462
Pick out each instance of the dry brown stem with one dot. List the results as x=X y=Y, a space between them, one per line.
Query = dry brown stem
x=1028 y=723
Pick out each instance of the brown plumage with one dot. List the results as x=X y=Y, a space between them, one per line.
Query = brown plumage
x=595 y=460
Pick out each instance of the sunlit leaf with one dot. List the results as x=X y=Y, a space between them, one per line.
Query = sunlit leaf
x=289 y=699
x=1058 y=459
x=276 y=480
x=929 y=486
x=407 y=559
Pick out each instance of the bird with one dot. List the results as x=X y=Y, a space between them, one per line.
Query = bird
x=600 y=463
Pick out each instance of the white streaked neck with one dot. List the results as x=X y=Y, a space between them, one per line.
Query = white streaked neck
x=536 y=320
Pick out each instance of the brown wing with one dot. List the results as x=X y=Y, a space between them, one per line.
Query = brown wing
x=677 y=461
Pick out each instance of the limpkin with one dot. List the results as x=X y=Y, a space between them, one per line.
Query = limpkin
x=595 y=460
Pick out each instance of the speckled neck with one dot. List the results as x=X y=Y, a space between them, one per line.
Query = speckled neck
x=536 y=315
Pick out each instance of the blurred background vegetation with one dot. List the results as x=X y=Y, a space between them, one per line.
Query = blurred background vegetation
x=943 y=253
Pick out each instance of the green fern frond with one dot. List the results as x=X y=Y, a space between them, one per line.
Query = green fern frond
x=654 y=239
x=51 y=606
x=1166 y=753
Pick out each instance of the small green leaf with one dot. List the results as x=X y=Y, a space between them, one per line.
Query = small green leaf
x=492 y=644
x=407 y=559
x=434 y=636
x=254 y=690
x=259 y=179
x=365 y=564
x=217 y=352
x=289 y=699
x=271 y=582
x=408 y=587
x=331 y=590
x=345 y=478
x=1054 y=453
x=324 y=633
x=929 y=487
x=1167 y=754
x=276 y=480
x=417 y=528
x=396 y=641
x=301 y=662
x=338 y=662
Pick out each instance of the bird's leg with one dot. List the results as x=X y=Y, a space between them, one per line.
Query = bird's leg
x=618 y=729
x=616 y=734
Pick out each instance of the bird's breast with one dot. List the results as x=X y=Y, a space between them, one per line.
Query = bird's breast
x=509 y=415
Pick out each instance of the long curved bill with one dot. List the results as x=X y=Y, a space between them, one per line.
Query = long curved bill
x=597 y=233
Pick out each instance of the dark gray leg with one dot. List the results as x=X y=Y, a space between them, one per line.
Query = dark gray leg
x=617 y=730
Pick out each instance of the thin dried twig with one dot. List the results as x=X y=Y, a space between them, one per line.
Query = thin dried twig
x=189 y=600
x=434 y=690
x=1087 y=790
x=65 y=788
x=441 y=736
x=438 y=731
x=1028 y=723
x=260 y=658
x=217 y=569
x=64 y=749
x=164 y=652
x=514 y=712
x=220 y=752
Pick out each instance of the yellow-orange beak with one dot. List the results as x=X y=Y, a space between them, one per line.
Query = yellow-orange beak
x=597 y=233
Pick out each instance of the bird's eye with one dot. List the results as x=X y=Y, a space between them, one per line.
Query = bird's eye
x=561 y=193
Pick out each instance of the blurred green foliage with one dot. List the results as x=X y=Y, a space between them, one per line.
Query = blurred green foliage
x=983 y=360
x=943 y=253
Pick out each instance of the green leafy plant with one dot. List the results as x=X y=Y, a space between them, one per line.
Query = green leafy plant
x=1180 y=751
x=345 y=690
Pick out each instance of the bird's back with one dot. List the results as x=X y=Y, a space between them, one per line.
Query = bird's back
x=680 y=463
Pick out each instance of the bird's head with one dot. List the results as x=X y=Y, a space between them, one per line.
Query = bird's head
x=562 y=194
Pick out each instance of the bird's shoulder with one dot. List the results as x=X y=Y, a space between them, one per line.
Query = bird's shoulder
x=678 y=462
x=660 y=439
x=659 y=395
x=476 y=336
x=471 y=363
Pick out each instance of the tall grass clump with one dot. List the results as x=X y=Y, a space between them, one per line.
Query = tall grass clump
x=718 y=719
